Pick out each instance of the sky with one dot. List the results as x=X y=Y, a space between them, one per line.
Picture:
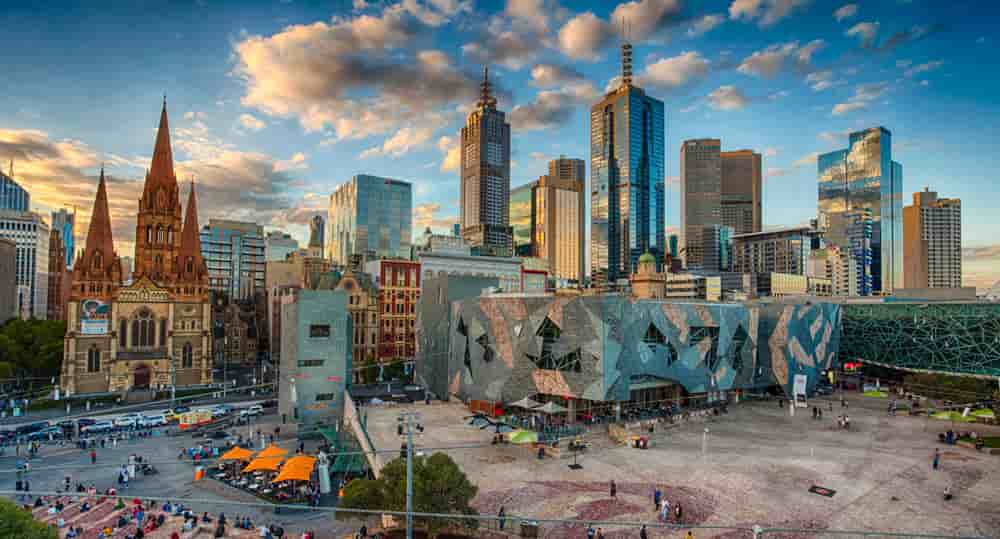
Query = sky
x=273 y=104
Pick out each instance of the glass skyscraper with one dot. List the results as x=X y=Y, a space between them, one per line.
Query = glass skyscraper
x=522 y=218
x=627 y=208
x=234 y=253
x=65 y=223
x=12 y=195
x=372 y=217
x=863 y=176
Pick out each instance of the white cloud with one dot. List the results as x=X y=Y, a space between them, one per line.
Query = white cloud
x=822 y=80
x=845 y=11
x=727 y=98
x=705 y=24
x=676 y=71
x=251 y=122
x=426 y=216
x=549 y=75
x=401 y=143
x=646 y=17
x=296 y=162
x=863 y=95
x=866 y=32
x=771 y=152
x=772 y=60
x=835 y=137
x=451 y=150
x=195 y=115
x=584 y=36
x=923 y=68
x=552 y=108
x=767 y=12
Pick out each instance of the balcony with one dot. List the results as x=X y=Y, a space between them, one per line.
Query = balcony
x=146 y=353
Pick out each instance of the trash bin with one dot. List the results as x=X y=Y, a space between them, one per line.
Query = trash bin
x=529 y=528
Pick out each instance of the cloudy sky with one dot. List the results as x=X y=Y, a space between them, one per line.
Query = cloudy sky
x=272 y=104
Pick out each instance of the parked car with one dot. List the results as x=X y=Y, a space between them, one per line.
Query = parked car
x=155 y=420
x=126 y=421
x=98 y=427
x=68 y=424
x=84 y=421
x=45 y=434
x=182 y=409
x=24 y=430
x=222 y=410
x=217 y=435
x=254 y=410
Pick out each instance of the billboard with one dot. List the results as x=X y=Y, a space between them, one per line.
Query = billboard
x=94 y=317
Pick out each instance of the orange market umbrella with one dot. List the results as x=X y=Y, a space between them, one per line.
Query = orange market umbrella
x=237 y=453
x=298 y=468
x=269 y=464
x=272 y=451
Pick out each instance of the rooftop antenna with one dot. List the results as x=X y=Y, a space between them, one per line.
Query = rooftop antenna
x=486 y=98
x=11 y=168
x=626 y=56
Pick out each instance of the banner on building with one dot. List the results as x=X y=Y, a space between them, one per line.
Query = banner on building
x=94 y=317
x=799 y=390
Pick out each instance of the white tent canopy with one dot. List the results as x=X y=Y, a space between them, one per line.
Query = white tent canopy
x=527 y=403
x=551 y=408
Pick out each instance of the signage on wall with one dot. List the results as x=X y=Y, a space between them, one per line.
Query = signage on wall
x=94 y=317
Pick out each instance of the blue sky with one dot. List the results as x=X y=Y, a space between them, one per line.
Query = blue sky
x=272 y=104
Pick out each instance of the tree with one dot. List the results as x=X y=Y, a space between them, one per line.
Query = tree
x=32 y=347
x=16 y=522
x=439 y=486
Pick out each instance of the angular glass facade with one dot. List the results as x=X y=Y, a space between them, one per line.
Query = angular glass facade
x=12 y=195
x=627 y=182
x=522 y=218
x=863 y=176
x=234 y=253
x=370 y=216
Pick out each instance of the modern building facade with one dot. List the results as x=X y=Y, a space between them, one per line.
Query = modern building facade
x=8 y=279
x=317 y=235
x=559 y=234
x=627 y=173
x=741 y=191
x=785 y=250
x=154 y=332
x=522 y=218
x=716 y=248
x=484 y=195
x=932 y=242
x=837 y=266
x=65 y=223
x=864 y=176
x=278 y=245
x=398 y=283
x=445 y=255
x=234 y=253
x=316 y=362
x=59 y=277
x=31 y=235
x=372 y=217
x=13 y=197
x=701 y=195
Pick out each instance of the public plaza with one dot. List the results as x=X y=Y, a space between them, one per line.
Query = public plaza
x=758 y=466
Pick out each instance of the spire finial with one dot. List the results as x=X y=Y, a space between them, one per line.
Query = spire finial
x=626 y=56
x=486 y=98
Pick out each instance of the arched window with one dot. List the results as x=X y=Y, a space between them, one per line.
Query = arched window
x=159 y=234
x=143 y=330
x=122 y=326
x=170 y=235
x=135 y=333
x=190 y=264
x=187 y=356
x=163 y=332
x=149 y=234
x=97 y=259
x=93 y=359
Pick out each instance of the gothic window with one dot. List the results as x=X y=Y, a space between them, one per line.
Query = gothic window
x=149 y=234
x=135 y=333
x=93 y=359
x=122 y=337
x=187 y=356
x=170 y=235
x=143 y=330
x=97 y=259
x=190 y=264
x=159 y=234
x=163 y=332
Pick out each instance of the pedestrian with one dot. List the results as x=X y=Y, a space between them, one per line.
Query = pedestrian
x=937 y=458
x=67 y=480
x=600 y=533
x=678 y=513
x=363 y=532
x=93 y=456
x=656 y=498
x=664 y=510
x=689 y=535
x=614 y=489
x=501 y=517
x=642 y=532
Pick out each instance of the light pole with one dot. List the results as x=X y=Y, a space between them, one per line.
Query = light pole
x=407 y=423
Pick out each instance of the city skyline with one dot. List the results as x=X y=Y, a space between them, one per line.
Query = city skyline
x=264 y=146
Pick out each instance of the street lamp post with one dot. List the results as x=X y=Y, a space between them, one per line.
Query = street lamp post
x=408 y=422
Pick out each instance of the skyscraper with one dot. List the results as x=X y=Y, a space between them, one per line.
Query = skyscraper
x=741 y=191
x=12 y=195
x=701 y=195
x=522 y=218
x=234 y=253
x=558 y=219
x=627 y=212
x=65 y=223
x=485 y=173
x=863 y=176
x=932 y=242
x=278 y=245
x=31 y=236
x=372 y=217
x=317 y=233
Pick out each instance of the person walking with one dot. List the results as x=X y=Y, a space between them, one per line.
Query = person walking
x=656 y=498
x=689 y=535
x=937 y=459
x=93 y=456
x=642 y=532
x=501 y=517
x=614 y=489
x=678 y=513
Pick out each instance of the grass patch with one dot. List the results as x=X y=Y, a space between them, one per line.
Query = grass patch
x=876 y=394
x=991 y=442
x=984 y=412
x=953 y=416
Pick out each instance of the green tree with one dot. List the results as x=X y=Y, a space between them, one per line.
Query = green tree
x=32 y=347
x=16 y=522
x=439 y=486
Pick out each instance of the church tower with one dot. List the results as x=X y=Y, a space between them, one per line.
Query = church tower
x=191 y=277
x=97 y=274
x=157 y=231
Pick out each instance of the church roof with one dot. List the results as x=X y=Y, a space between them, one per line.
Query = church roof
x=161 y=170
x=99 y=232
x=190 y=239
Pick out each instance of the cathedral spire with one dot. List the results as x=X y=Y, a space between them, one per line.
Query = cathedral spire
x=190 y=264
x=99 y=239
x=162 y=167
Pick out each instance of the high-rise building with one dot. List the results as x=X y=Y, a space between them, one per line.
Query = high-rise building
x=673 y=241
x=456 y=229
x=852 y=231
x=627 y=198
x=31 y=235
x=837 y=266
x=59 y=278
x=234 y=253
x=8 y=279
x=785 y=250
x=701 y=195
x=278 y=245
x=863 y=176
x=522 y=218
x=559 y=219
x=741 y=191
x=932 y=242
x=372 y=217
x=317 y=233
x=716 y=248
x=485 y=171
x=12 y=196
x=65 y=223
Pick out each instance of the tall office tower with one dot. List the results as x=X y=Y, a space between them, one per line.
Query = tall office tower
x=485 y=172
x=716 y=248
x=59 y=277
x=627 y=197
x=12 y=196
x=371 y=217
x=234 y=253
x=317 y=233
x=785 y=250
x=932 y=242
x=31 y=236
x=558 y=219
x=278 y=245
x=852 y=232
x=863 y=176
x=701 y=195
x=65 y=223
x=838 y=266
x=522 y=218
x=741 y=191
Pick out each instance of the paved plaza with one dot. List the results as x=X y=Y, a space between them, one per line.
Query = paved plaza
x=757 y=469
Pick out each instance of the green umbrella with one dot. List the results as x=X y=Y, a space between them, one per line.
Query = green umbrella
x=522 y=437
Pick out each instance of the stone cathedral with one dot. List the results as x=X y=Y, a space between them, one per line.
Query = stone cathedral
x=154 y=332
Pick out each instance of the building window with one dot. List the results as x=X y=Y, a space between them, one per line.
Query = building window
x=311 y=362
x=143 y=330
x=93 y=359
x=163 y=332
x=122 y=337
x=319 y=331
x=187 y=356
x=324 y=397
x=149 y=234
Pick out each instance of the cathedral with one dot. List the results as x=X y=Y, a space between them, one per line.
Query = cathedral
x=154 y=332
